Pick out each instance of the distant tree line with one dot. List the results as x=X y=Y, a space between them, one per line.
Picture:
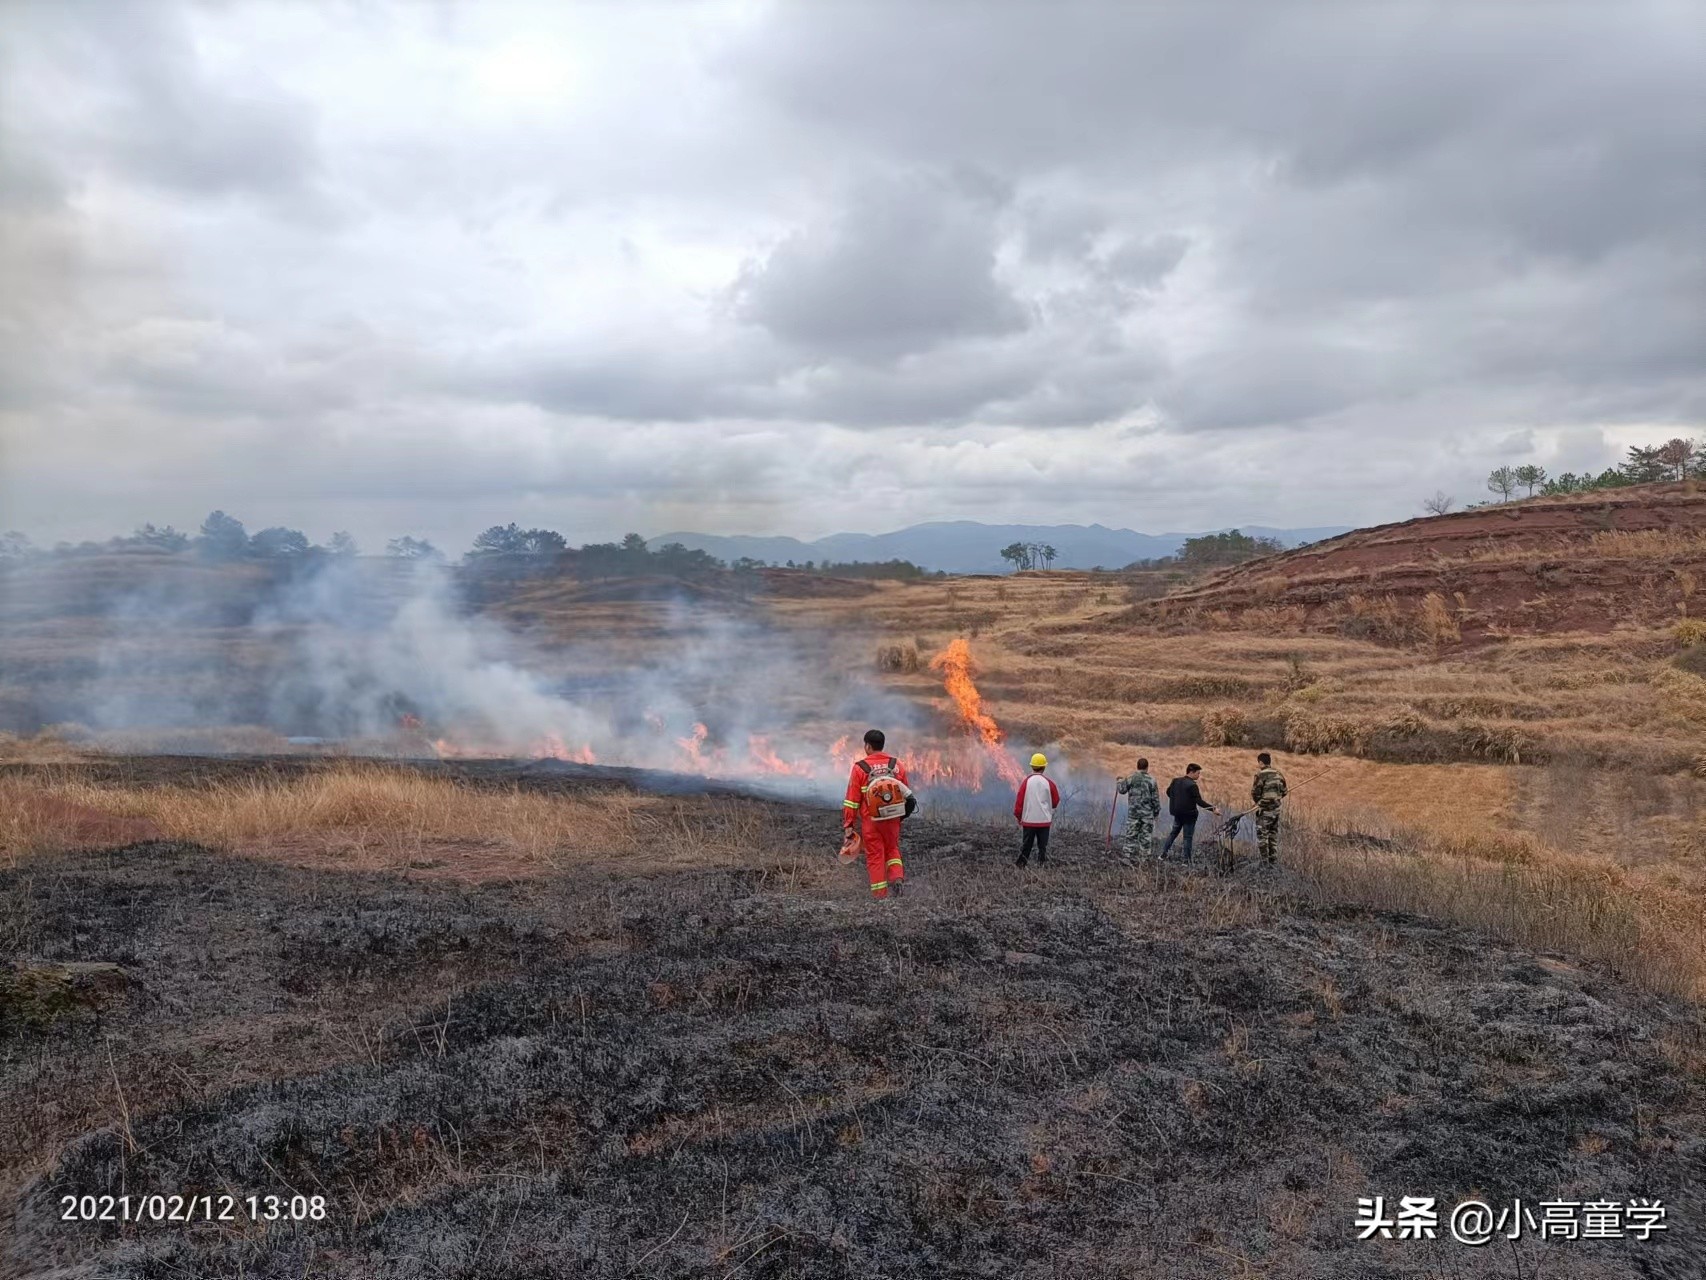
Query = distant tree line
x=1677 y=459
x=220 y=538
x=502 y=551
x=1214 y=551
x=508 y=549
x=897 y=570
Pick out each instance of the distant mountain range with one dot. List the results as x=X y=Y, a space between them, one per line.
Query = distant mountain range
x=965 y=546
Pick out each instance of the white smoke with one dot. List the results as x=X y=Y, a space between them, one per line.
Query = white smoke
x=385 y=656
x=357 y=664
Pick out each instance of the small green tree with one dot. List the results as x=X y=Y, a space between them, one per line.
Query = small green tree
x=279 y=544
x=1530 y=477
x=542 y=542
x=499 y=540
x=164 y=539
x=1502 y=481
x=1645 y=464
x=407 y=548
x=223 y=537
x=1679 y=456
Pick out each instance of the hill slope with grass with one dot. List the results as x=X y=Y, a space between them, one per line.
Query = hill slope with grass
x=1575 y=563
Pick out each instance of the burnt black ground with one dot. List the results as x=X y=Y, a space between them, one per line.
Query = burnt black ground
x=761 y=1073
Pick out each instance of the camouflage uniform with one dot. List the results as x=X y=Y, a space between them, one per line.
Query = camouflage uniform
x=1143 y=806
x=1266 y=792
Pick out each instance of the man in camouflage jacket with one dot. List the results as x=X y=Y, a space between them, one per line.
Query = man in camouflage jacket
x=1143 y=806
x=1266 y=792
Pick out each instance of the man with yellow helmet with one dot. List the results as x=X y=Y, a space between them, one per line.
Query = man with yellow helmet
x=1034 y=807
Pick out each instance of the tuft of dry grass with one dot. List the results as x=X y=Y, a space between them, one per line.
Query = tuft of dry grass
x=1556 y=902
x=45 y=747
x=1436 y=621
x=363 y=815
x=1224 y=727
x=1648 y=544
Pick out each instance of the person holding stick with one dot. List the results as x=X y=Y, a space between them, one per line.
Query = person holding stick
x=1266 y=792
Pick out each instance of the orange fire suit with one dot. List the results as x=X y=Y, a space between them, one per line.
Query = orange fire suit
x=881 y=839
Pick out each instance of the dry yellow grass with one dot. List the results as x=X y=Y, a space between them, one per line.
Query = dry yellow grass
x=365 y=816
x=40 y=748
x=1544 y=788
x=1614 y=544
x=1059 y=663
x=1545 y=900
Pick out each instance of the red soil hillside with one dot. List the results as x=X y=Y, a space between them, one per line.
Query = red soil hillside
x=1584 y=562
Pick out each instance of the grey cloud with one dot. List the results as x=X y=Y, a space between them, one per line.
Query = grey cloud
x=217 y=141
x=1264 y=231
x=125 y=81
x=1332 y=89
x=1268 y=381
x=1144 y=264
x=1061 y=229
x=904 y=265
x=941 y=387
x=1365 y=160
x=665 y=375
x=1035 y=378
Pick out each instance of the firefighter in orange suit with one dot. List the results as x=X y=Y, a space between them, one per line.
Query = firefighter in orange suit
x=878 y=797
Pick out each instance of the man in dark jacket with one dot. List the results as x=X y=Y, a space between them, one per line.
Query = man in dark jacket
x=1184 y=798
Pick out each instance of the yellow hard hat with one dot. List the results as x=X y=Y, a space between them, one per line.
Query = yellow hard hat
x=1039 y=761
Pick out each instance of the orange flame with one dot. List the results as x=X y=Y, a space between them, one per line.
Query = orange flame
x=962 y=762
x=695 y=749
x=759 y=746
x=961 y=771
x=955 y=664
x=554 y=748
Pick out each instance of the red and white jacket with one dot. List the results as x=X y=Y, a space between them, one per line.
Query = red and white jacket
x=1036 y=802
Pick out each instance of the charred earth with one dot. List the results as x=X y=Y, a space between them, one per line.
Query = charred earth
x=757 y=1072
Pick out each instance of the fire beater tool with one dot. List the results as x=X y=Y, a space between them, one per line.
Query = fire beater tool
x=1224 y=835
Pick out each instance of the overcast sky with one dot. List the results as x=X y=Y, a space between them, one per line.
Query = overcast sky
x=800 y=268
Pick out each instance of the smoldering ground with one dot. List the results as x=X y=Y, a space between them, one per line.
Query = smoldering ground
x=389 y=657
x=757 y=1072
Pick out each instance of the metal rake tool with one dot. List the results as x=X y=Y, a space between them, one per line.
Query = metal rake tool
x=1223 y=840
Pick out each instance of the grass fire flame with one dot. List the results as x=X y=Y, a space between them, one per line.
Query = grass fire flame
x=960 y=762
